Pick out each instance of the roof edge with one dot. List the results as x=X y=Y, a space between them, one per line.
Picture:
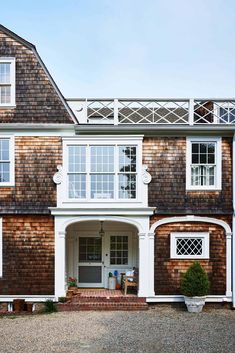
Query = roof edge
x=17 y=37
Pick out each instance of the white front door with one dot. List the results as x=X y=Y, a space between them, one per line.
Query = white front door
x=90 y=261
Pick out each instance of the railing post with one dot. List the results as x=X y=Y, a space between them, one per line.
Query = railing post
x=115 y=112
x=191 y=111
x=85 y=111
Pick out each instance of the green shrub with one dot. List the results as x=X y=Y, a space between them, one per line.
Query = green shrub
x=50 y=306
x=195 y=281
x=62 y=299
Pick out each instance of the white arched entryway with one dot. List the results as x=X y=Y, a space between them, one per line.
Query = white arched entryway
x=228 y=234
x=68 y=228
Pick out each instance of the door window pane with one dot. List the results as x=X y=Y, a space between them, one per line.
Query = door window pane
x=90 y=249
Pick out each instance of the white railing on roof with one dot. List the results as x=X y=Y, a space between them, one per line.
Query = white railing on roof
x=154 y=111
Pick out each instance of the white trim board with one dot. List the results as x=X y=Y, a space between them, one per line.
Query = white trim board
x=180 y=298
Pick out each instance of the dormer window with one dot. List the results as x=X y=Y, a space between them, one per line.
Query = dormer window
x=7 y=82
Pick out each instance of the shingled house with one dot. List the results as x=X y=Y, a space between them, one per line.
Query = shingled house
x=93 y=186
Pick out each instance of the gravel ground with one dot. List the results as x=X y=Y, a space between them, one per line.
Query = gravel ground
x=159 y=330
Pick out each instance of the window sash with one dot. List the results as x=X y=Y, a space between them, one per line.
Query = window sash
x=119 y=250
x=6 y=161
x=202 y=173
x=101 y=182
x=7 y=81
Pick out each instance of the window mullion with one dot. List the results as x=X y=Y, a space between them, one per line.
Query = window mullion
x=88 y=172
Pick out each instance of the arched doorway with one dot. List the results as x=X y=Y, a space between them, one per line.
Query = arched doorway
x=95 y=248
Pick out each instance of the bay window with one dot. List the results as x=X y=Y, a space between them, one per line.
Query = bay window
x=102 y=171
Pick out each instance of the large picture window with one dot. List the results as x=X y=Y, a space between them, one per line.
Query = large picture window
x=98 y=172
x=7 y=82
x=203 y=164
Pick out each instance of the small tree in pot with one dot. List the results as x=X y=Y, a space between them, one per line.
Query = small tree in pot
x=195 y=286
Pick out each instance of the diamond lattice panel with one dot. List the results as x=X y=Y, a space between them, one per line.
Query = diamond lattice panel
x=189 y=246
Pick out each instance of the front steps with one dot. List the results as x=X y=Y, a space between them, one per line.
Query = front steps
x=103 y=300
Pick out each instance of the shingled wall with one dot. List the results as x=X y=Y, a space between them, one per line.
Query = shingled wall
x=28 y=255
x=36 y=98
x=167 y=271
x=166 y=161
x=36 y=159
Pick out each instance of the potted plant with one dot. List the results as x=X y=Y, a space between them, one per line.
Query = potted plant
x=72 y=283
x=195 y=286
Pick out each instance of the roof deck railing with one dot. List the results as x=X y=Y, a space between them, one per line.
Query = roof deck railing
x=154 y=111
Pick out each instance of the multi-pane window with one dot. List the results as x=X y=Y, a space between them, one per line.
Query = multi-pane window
x=77 y=171
x=90 y=249
x=102 y=172
x=4 y=160
x=118 y=250
x=127 y=172
x=7 y=82
x=204 y=164
x=190 y=245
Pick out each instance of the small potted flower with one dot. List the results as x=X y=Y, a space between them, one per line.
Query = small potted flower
x=195 y=286
x=72 y=283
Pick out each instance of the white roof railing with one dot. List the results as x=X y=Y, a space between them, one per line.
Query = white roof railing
x=162 y=111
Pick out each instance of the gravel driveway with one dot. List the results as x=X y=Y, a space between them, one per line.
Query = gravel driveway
x=159 y=330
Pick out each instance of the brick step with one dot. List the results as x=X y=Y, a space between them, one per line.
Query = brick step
x=81 y=299
x=102 y=306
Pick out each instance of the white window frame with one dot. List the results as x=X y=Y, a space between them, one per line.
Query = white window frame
x=11 y=159
x=218 y=163
x=103 y=141
x=12 y=84
x=1 y=252
x=205 y=236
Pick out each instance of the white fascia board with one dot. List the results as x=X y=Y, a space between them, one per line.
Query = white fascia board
x=38 y=129
x=112 y=138
x=147 y=211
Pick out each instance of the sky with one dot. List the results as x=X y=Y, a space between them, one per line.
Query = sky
x=131 y=48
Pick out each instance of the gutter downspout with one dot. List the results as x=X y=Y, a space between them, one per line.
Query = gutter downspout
x=233 y=227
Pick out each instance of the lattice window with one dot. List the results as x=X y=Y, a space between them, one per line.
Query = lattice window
x=190 y=245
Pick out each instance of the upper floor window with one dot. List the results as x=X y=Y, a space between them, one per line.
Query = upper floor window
x=203 y=171
x=6 y=161
x=100 y=171
x=7 y=82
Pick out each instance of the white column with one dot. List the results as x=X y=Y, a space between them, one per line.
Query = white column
x=151 y=238
x=233 y=229
x=60 y=285
x=228 y=264
x=143 y=265
x=146 y=265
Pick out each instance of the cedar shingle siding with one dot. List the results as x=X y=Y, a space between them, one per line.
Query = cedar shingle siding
x=166 y=161
x=36 y=98
x=36 y=159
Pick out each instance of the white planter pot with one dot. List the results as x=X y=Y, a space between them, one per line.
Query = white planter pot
x=194 y=304
x=112 y=282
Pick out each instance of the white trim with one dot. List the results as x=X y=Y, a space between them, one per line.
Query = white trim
x=218 y=163
x=11 y=61
x=11 y=159
x=180 y=298
x=28 y=298
x=190 y=218
x=106 y=211
x=1 y=252
x=205 y=244
x=233 y=235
